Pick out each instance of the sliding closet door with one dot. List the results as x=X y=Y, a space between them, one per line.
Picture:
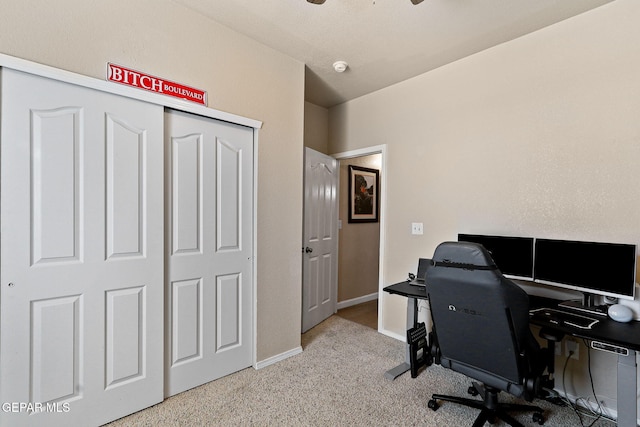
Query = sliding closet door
x=210 y=216
x=81 y=253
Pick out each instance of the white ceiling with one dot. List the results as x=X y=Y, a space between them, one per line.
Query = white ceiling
x=383 y=41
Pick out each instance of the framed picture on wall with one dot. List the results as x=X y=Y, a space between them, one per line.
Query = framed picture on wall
x=363 y=194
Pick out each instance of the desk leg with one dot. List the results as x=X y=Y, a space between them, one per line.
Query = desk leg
x=627 y=404
x=412 y=319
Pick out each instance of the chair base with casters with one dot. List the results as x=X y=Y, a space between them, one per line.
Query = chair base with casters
x=491 y=408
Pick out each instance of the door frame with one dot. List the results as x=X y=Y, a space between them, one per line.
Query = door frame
x=382 y=150
x=254 y=255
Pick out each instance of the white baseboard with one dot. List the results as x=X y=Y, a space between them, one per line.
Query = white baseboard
x=356 y=301
x=277 y=358
x=393 y=335
x=607 y=410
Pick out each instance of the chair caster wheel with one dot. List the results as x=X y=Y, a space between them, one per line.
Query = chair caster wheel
x=472 y=391
x=538 y=418
x=432 y=404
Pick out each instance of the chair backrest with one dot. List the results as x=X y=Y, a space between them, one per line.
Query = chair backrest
x=481 y=319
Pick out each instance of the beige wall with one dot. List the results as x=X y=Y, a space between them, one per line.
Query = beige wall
x=316 y=127
x=539 y=136
x=241 y=76
x=359 y=243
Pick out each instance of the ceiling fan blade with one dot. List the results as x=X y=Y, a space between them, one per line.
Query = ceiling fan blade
x=416 y=1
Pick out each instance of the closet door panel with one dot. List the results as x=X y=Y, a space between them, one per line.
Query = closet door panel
x=209 y=284
x=186 y=173
x=55 y=163
x=126 y=153
x=229 y=195
x=125 y=336
x=56 y=342
x=81 y=252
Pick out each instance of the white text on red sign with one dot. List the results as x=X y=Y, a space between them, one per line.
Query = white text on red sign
x=129 y=77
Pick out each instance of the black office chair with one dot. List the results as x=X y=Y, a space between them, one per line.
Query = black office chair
x=481 y=329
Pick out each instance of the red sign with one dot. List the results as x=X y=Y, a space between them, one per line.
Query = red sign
x=129 y=77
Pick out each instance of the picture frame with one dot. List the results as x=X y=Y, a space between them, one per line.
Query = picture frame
x=363 y=194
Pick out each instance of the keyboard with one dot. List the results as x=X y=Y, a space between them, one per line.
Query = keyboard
x=600 y=310
x=559 y=317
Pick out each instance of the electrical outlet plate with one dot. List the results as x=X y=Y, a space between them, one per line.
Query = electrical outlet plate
x=416 y=228
x=572 y=346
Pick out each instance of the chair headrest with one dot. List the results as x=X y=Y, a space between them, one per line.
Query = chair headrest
x=463 y=255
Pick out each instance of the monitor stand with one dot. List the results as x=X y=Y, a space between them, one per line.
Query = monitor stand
x=587 y=305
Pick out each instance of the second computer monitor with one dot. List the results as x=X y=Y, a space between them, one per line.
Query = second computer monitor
x=590 y=267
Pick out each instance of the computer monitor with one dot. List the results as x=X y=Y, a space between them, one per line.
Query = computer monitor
x=423 y=265
x=512 y=255
x=592 y=268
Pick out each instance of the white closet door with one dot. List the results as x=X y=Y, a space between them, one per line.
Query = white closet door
x=81 y=253
x=209 y=288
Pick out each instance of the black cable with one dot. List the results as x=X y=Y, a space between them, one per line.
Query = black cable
x=597 y=414
x=566 y=396
x=564 y=387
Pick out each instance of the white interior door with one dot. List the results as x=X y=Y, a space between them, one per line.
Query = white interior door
x=320 y=251
x=81 y=253
x=209 y=287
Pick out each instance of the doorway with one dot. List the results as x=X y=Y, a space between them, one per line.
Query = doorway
x=361 y=245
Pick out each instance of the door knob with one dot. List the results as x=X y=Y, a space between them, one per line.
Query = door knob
x=308 y=250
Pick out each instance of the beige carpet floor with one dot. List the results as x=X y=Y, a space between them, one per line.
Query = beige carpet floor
x=338 y=380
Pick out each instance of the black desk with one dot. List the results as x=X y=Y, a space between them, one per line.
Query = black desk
x=606 y=331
